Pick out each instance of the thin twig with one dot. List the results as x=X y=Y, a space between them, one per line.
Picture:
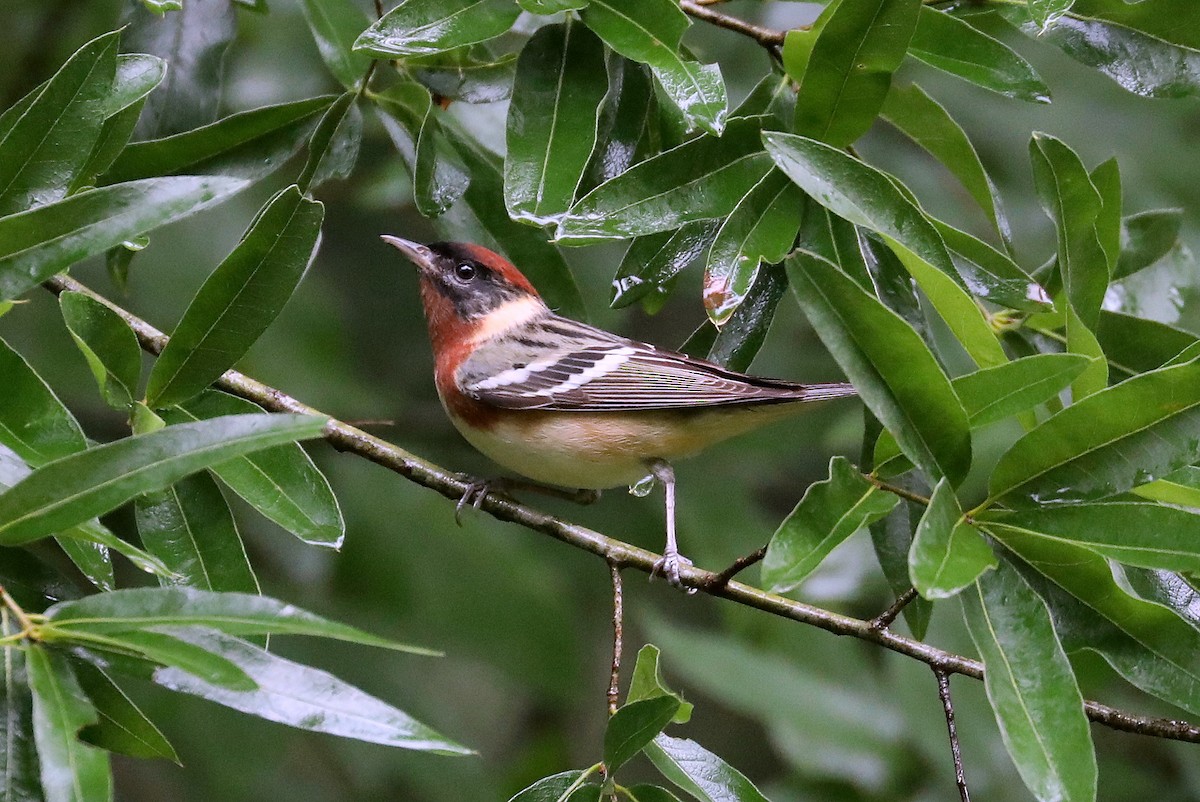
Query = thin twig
x=344 y=437
x=960 y=777
x=767 y=37
x=896 y=490
x=888 y=616
x=739 y=565
x=618 y=623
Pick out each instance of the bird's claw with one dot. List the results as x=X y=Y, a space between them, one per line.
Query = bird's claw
x=668 y=566
x=473 y=496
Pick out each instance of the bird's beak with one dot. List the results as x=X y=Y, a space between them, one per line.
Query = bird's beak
x=418 y=254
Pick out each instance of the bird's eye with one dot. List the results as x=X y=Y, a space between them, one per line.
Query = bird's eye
x=464 y=271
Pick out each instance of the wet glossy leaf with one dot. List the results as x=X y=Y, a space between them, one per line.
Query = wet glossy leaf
x=633 y=726
x=1168 y=588
x=926 y=122
x=1135 y=532
x=654 y=259
x=761 y=228
x=552 y=120
x=439 y=176
x=699 y=772
x=551 y=789
x=92 y=560
x=849 y=68
x=137 y=75
x=241 y=298
x=647 y=682
x=1106 y=178
x=472 y=74
x=1147 y=237
x=419 y=27
x=161 y=646
x=547 y=7
x=33 y=422
x=35 y=245
x=193 y=40
x=1127 y=435
x=649 y=32
x=1137 y=344
x=991 y=274
x=1045 y=12
x=78 y=487
x=743 y=334
x=700 y=179
x=108 y=344
x=1174 y=21
x=948 y=553
x=249 y=144
x=896 y=374
x=1031 y=687
x=1181 y=488
x=71 y=770
x=624 y=116
x=952 y=45
x=303 y=697
x=480 y=217
x=1149 y=645
x=19 y=781
x=335 y=24
x=190 y=528
x=122 y=726
x=48 y=145
x=281 y=482
x=1072 y=202
x=92 y=533
x=232 y=613
x=830 y=512
x=333 y=146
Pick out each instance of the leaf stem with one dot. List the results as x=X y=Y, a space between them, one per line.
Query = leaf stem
x=896 y=490
x=346 y=438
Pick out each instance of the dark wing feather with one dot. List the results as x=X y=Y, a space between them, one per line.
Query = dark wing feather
x=587 y=369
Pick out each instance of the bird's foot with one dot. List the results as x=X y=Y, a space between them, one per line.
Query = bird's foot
x=668 y=566
x=476 y=491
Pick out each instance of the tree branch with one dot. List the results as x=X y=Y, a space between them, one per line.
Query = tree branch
x=960 y=777
x=617 y=553
x=618 y=623
x=767 y=37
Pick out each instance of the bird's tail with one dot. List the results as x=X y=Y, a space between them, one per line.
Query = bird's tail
x=823 y=392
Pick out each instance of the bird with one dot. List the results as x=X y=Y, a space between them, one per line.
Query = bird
x=567 y=404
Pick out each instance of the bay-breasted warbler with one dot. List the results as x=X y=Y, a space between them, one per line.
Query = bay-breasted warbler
x=568 y=404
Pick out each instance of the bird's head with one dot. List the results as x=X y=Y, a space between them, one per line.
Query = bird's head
x=468 y=291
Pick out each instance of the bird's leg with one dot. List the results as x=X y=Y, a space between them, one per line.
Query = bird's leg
x=671 y=560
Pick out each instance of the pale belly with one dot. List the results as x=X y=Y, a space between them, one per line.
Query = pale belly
x=596 y=450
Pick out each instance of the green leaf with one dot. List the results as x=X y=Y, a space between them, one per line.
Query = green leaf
x=92 y=560
x=926 y=122
x=699 y=772
x=1001 y=392
x=70 y=769
x=419 y=27
x=193 y=41
x=33 y=422
x=1181 y=488
x=137 y=75
x=1141 y=533
x=552 y=121
x=830 y=512
x=280 y=482
x=78 y=487
x=19 y=781
x=438 y=174
x=248 y=145
x=241 y=298
x=548 y=7
x=480 y=217
x=653 y=260
x=1072 y=202
x=990 y=273
x=97 y=536
x=647 y=682
x=108 y=344
x=555 y=788
x=36 y=244
x=898 y=377
x=49 y=143
x=303 y=697
x=633 y=726
x=892 y=538
x=190 y=528
x=651 y=793
x=761 y=228
x=122 y=726
x=1031 y=687
x=625 y=115
x=161 y=646
x=1106 y=178
x=333 y=147
x=954 y=46
x=232 y=613
x=744 y=332
x=1126 y=435
x=1137 y=344
x=849 y=69
x=703 y=178
x=335 y=24
x=1149 y=645
x=649 y=32
x=948 y=553
x=1146 y=238
x=1081 y=340
x=472 y=74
